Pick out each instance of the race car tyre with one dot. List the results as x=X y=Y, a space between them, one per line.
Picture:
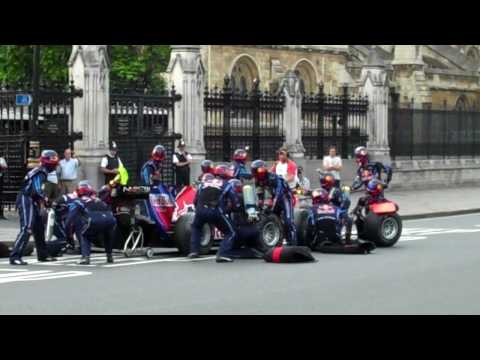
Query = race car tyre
x=301 y=223
x=183 y=235
x=384 y=231
x=360 y=226
x=270 y=228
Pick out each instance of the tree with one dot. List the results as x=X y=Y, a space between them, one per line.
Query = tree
x=137 y=66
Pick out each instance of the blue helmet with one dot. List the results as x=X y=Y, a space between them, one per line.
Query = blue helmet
x=375 y=187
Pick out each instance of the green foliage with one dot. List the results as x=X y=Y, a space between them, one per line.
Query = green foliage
x=132 y=65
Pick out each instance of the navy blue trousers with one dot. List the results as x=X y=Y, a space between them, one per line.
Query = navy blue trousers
x=216 y=218
x=284 y=208
x=86 y=230
x=31 y=223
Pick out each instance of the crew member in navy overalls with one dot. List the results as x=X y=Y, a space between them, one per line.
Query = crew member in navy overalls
x=207 y=168
x=211 y=207
x=340 y=200
x=30 y=200
x=375 y=167
x=282 y=196
x=89 y=217
x=151 y=170
x=240 y=171
x=61 y=214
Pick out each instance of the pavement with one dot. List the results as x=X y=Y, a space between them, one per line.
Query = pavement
x=432 y=270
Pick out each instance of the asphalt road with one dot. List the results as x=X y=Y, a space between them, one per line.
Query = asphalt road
x=433 y=270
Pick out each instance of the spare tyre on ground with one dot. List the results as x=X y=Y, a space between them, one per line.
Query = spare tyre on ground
x=271 y=232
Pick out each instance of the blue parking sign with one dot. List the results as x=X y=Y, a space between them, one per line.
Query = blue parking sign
x=23 y=100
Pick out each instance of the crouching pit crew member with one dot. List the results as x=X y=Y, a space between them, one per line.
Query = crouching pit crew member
x=282 y=196
x=376 y=168
x=30 y=201
x=207 y=168
x=211 y=207
x=89 y=217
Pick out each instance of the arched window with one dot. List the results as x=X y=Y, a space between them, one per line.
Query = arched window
x=244 y=72
x=462 y=103
x=473 y=54
x=308 y=78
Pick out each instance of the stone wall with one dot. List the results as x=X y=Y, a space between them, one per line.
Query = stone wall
x=274 y=61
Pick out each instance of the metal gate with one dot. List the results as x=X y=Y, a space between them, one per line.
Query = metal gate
x=333 y=120
x=235 y=120
x=138 y=122
x=47 y=124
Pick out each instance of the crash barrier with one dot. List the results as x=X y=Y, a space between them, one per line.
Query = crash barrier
x=429 y=133
x=139 y=120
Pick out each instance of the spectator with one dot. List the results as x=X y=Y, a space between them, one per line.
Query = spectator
x=68 y=172
x=333 y=164
x=3 y=169
x=110 y=164
x=303 y=180
x=286 y=168
x=182 y=161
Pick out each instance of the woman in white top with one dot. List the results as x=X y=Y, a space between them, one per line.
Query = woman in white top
x=333 y=164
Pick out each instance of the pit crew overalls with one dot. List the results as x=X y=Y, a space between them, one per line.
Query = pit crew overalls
x=149 y=169
x=342 y=203
x=211 y=205
x=377 y=169
x=240 y=171
x=29 y=201
x=89 y=217
x=321 y=212
x=283 y=200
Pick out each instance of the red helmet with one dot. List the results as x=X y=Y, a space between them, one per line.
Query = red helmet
x=375 y=188
x=236 y=185
x=361 y=155
x=259 y=170
x=207 y=167
x=320 y=197
x=240 y=155
x=327 y=181
x=159 y=153
x=223 y=172
x=85 y=189
x=49 y=159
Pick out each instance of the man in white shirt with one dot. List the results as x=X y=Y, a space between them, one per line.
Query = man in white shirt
x=68 y=172
x=182 y=161
x=332 y=164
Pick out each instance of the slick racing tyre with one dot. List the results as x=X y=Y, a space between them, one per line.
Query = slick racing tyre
x=301 y=223
x=270 y=228
x=183 y=235
x=384 y=231
x=4 y=250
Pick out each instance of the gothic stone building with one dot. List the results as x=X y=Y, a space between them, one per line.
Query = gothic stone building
x=428 y=74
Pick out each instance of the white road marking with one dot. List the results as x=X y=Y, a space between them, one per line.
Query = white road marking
x=39 y=276
x=159 y=261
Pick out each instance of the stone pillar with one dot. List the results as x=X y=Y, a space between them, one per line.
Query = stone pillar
x=374 y=84
x=89 y=69
x=290 y=87
x=187 y=73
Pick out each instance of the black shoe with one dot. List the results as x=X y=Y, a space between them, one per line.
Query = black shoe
x=18 y=262
x=47 y=259
x=224 y=259
x=110 y=259
x=72 y=251
x=193 y=256
x=85 y=260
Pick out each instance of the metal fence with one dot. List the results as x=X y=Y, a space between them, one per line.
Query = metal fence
x=236 y=119
x=47 y=122
x=138 y=122
x=433 y=133
x=333 y=120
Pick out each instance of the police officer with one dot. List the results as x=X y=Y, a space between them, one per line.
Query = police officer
x=211 y=207
x=151 y=170
x=182 y=161
x=30 y=200
x=89 y=217
x=282 y=196
x=111 y=163
x=240 y=171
